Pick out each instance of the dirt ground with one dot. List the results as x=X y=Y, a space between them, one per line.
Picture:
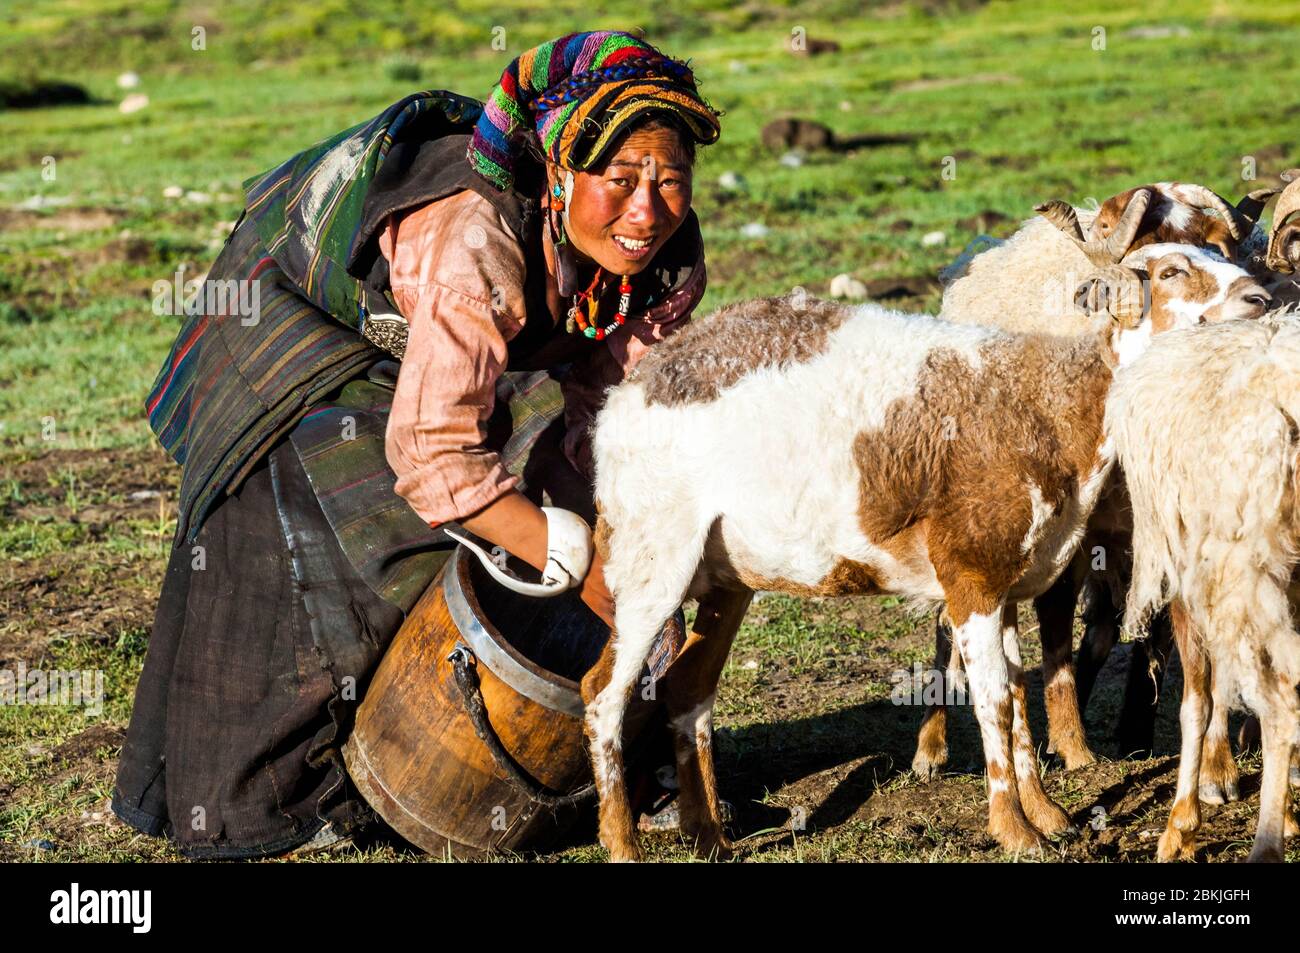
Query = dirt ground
x=807 y=735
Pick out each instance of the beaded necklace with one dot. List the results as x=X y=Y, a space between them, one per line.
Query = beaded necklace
x=587 y=322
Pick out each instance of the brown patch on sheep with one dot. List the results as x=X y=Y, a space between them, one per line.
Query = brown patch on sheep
x=959 y=455
x=602 y=536
x=697 y=363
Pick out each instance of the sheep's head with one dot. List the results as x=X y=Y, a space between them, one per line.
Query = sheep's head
x=1176 y=212
x=1196 y=286
x=1192 y=286
x=1284 y=242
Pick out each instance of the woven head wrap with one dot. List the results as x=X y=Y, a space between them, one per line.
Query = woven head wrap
x=578 y=92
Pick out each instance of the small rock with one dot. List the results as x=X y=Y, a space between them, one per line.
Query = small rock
x=731 y=181
x=792 y=159
x=145 y=495
x=754 y=230
x=198 y=198
x=846 y=286
x=845 y=105
x=41 y=844
x=133 y=103
x=36 y=751
x=128 y=80
x=736 y=66
x=750 y=666
x=931 y=239
x=173 y=192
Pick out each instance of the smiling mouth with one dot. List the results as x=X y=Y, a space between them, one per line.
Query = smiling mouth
x=633 y=247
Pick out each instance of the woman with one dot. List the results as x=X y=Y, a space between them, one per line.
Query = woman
x=517 y=257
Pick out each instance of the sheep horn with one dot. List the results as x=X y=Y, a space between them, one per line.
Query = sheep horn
x=1286 y=234
x=1238 y=225
x=1252 y=204
x=1101 y=252
x=1062 y=215
x=1290 y=175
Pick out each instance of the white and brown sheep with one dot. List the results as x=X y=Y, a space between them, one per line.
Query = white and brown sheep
x=1023 y=285
x=1205 y=425
x=842 y=451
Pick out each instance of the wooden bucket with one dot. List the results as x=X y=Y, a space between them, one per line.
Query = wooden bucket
x=473 y=651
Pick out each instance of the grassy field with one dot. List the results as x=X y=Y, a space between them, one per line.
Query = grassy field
x=1003 y=105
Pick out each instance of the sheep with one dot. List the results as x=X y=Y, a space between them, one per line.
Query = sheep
x=1283 y=252
x=1017 y=284
x=1205 y=426
x=1028 y=273
x=840 y=450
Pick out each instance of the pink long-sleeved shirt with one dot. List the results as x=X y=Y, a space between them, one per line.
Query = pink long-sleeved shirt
x=457 y=275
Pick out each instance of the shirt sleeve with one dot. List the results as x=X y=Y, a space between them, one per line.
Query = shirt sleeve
x=456 y=273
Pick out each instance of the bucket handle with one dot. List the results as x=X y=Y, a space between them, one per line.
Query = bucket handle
x=463 y=664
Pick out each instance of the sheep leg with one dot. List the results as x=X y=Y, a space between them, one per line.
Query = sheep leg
x=1178 y=842
x=932 y=740
x=1277 y=734
x=1041 y=810
x=977 y=630
x=1219 y=775
x=1065 y=733
x=1101 y=625
x=690 y=688
x=1146 y=672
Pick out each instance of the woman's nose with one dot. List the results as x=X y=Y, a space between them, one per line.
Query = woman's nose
x=645 y=206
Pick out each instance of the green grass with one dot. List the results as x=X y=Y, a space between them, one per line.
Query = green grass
x=1013 y=93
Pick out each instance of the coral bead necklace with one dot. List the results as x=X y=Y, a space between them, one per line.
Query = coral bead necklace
x=587 y=322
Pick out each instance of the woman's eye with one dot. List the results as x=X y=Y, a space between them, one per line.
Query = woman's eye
x=621 y=181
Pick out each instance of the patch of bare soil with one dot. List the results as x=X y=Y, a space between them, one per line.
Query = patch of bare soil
x=64 y=594
x=950 y=82
x=88 y=759
x=63 y=220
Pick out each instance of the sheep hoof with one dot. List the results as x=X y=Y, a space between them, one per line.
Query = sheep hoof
x=929 y=765
x=1048 y=818
x=718 y=848
x=1175 y=845
x=1216 y=792
x=625 y=854
x=1266 y=852
x=1018 y=836
x=1078 y=758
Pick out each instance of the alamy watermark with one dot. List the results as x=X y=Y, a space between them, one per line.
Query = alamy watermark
x=926 y=686
x=23 y=686
x=232 y=297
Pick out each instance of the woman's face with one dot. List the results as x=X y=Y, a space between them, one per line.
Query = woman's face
x=622 y=213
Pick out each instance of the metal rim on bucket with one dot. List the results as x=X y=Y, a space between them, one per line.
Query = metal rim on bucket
x=533 y=682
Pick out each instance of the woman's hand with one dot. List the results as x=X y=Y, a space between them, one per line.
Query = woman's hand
x=515 y=523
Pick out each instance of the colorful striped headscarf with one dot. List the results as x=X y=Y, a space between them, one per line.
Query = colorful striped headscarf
x=578 y=92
